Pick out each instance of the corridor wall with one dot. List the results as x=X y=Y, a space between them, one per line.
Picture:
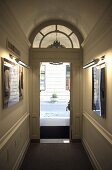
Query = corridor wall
x=14 y=120
x=97 y=131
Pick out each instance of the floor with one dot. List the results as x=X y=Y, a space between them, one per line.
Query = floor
x=56 y=156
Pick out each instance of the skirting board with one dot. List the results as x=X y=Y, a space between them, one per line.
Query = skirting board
x=92 y=157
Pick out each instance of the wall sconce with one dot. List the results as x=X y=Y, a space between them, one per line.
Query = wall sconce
x=92 y=63
x=17 y=60
x=95 y=62
x=21 y=63
x=11 y=56
x=101 y=61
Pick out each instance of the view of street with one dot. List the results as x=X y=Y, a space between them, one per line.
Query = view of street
x=49 y=109
x=54 y=94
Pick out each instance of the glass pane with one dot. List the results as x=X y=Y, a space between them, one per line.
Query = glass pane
x=64 y=29
x=37 y=40
x=49 y=39
x=48 y=29
x=75 y=41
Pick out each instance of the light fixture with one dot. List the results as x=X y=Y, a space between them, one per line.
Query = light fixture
x=92 y=63
x=95 y=62
x=17 y=60
x=12 y=58
x=8 y=63
x=101 y=61
x=56 y=63
x=56 y=43
x=21 y=63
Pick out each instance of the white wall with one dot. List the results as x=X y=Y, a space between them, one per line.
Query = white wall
x=12 y=141
x=97 y=131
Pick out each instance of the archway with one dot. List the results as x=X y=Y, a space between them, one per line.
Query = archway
x=71 y=55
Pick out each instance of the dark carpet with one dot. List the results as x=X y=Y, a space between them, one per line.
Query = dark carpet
x=45 y=156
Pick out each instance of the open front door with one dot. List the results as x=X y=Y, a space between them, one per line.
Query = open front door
x=54 y=100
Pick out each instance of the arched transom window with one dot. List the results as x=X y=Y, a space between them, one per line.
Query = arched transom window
x=56 y=36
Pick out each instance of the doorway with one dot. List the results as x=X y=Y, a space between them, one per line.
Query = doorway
x=54 y=100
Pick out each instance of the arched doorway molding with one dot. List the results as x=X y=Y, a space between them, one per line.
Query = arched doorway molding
x=72 y=55
x=51 y=22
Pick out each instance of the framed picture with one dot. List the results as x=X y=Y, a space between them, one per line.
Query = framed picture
x=99 y=90
x=12 y=78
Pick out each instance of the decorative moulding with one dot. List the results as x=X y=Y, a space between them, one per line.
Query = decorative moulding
x=103 y=131
x=21 y=156
x=12 y=130
x=93 y=159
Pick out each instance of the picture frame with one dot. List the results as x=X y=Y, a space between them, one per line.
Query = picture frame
x=99 y=90
x=12 y=83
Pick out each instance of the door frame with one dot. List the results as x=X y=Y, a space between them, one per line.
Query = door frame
x=73 y=56
x=70 y=124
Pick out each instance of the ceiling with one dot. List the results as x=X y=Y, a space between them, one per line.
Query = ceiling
x=82 y=14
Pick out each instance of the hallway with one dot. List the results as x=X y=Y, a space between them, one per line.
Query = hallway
x=77 y=32
x=56 y=156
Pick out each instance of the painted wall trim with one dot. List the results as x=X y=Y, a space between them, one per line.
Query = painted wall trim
x=21 y=155
x=103 y=131
x=12 y=130
x=91 y=155
x=78 y=50
x=47 y=55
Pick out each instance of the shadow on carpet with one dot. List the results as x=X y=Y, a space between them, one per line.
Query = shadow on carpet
x=45 y=156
